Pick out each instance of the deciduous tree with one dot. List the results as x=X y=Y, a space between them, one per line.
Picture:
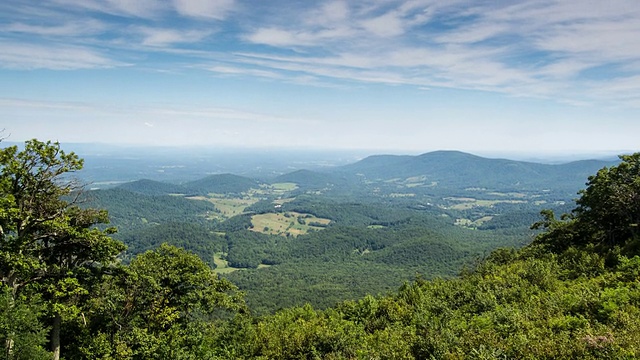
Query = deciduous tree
x=48 y=244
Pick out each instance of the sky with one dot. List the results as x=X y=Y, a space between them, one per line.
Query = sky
x=543 y=76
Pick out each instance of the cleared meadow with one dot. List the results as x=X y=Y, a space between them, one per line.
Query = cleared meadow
x=287 y=224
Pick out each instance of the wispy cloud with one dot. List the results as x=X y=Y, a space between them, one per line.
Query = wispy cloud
x=214 y=9
x=69 y=28
x=164 y=37
x=57 y=57
x=157 y=111
x=524 y=49
x=552 y=48
x=135 y=8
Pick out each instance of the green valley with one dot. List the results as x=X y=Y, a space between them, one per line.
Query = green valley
x=345 y=267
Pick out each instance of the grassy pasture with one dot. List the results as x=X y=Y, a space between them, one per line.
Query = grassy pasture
x=509 y=194
x=283 y=224
x=473 y=223
x=469 y=203
x=283 y=201
x=228 y=206
x=401 y=195
x=284 y=187
x=222 y=265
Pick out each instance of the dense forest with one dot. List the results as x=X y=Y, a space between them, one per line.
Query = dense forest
x=339 y=268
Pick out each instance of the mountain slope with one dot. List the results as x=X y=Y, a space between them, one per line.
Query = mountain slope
x=152 y=187
x=222 y=184
x=307 y=179
x=454 y=169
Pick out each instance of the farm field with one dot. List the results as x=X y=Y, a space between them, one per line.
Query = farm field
x=287 y=224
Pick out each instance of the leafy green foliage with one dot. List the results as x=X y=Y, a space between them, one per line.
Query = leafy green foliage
x=515 y=305
x=607 y=216
x=610 y=205
x=47 y=244
x=162 y=306
x=573 y=293
x=20 y=328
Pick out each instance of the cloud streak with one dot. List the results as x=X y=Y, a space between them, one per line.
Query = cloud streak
x=574 y=52
x=61 y=57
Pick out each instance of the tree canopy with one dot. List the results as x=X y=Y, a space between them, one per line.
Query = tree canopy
x=573 y=293
x=607 y=215
x=48 y=244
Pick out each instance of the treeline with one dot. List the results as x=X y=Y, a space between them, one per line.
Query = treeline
x=392 y=236
x=193 y=237
x=219 y=184
x=574 y=293
x=129 y=210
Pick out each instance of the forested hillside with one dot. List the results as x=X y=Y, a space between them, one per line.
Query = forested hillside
x=574 y=292
x=454 y=169
x=341 y=234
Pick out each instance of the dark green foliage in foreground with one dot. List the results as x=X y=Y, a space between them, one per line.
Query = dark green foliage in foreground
x=20 y=325
x=348 y=262
x=527 y=308
x=572 y=294
x=50 y=249
x=607 y=216
x=581 y=301
x=164 y=305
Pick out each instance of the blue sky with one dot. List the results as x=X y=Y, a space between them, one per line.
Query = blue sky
x=396 y=76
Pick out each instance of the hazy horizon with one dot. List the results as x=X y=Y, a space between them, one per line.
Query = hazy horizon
x=412 y=76
x=101 y=149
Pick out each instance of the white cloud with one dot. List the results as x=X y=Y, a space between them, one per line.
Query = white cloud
x=236 y=70
x=51 y=56
x=573 y=51
x=333 y=11
x=71 y=28
x=163 y=37
x=276 y=37
x=521 y=48
x=387 y=25
x=473 y=33
x=214 y=9
x=136 y=8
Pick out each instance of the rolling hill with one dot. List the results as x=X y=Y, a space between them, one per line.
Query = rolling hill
x=308 y=180
x=222 y=184
x=152 y=187
x=219 y=184
x=454 y=169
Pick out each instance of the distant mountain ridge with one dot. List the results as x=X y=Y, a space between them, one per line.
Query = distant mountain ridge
x=152 y=187
x=442 y=169
x=459 y=169
x=219 y=184
x=222 y=184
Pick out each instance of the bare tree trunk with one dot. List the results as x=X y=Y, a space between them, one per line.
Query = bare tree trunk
x=9 y=342
x=8 y=346
x=55 y=336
